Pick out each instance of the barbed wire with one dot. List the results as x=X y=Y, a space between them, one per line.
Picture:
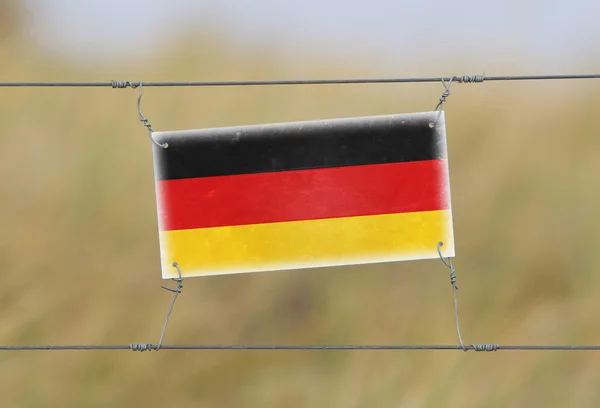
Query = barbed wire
x=447 y=81
x=151 y=347
x=459 y=79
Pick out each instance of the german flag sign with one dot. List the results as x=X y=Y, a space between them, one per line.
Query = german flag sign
x=303 y=195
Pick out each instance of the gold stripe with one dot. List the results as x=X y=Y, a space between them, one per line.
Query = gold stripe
x=307 y=244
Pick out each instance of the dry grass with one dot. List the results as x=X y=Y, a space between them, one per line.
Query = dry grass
x=79 y=249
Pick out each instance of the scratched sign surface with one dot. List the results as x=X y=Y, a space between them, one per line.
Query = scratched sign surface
x=302 y=195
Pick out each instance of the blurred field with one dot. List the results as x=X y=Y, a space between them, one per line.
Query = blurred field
x=79 y=247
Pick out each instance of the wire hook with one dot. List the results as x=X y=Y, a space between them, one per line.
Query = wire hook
x=145 y=121
x=443 y=98
x=178 y=280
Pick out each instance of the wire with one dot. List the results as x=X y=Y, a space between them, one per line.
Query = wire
x=461 y=79
x=176 y=291
x=454 y=288
x=147 y=347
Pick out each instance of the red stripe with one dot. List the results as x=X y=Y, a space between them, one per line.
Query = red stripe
x=303 y=195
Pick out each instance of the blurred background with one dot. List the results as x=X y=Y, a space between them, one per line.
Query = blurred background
x=78 y=229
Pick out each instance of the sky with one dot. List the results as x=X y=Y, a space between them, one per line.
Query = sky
x=552 y=36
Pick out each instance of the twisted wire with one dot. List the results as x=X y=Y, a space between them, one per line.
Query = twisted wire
x=443 y=98
x=177 y=291
x=454 y=292
x=124 y=84
x=484 y=347
x=470 y=79
x=141 y=115
x=141 y=347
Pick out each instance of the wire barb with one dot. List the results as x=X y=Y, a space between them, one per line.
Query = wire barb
x=142 y=118
x=177 y=291
x=467 y=79
x=141 y=347
x=485 y=347
x=123 y=84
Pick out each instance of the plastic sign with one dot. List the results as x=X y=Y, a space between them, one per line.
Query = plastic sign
x=303 y=195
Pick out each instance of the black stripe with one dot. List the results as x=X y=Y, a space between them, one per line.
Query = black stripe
x=299 y=145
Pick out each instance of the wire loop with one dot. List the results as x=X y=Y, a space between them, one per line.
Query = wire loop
x=178 y=280
x=449 y=265
x=144 y=120
x=443 y=98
